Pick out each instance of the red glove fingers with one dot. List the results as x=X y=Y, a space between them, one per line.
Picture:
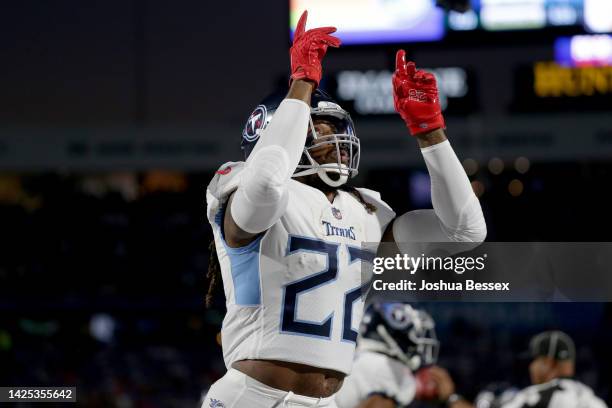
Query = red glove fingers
x=309 y=48
x=301 y=26
x=415 y=97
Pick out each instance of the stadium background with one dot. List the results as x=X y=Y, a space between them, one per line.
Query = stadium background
x=114 y=116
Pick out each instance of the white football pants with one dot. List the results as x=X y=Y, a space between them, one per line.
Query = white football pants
x=237 y=390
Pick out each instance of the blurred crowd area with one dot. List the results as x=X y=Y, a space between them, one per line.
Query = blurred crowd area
x=137 y=357
x=102 y=280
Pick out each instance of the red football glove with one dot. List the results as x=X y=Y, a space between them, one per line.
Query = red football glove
x=415 y=95
x=308 y=50
x=426 y=388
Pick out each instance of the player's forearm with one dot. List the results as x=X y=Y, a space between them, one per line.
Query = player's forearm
x=431 y=138
x=378 y=401
x=288 y=128
x=453 y=199
x=457 y=216
x=262 y=196
x=416 y=99
x=301 y=90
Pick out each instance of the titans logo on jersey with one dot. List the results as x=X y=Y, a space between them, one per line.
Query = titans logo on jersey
x=339 y=231
x=294 y=293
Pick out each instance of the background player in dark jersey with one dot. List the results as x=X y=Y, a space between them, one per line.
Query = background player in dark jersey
x=551 y=370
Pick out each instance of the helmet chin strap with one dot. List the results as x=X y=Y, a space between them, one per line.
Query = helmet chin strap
x=342 y=177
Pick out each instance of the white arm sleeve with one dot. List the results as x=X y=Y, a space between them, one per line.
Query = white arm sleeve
x=261 y=197
x=456 y=217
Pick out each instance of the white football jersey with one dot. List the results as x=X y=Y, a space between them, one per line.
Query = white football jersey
x=376 y=373
x=294 y=294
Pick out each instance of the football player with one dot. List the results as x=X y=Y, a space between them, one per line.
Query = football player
x=288 y=232
x=551 y=370
x=396 y=340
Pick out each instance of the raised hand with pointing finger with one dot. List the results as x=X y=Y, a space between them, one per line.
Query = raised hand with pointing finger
x=309 y=48
x=415 y=95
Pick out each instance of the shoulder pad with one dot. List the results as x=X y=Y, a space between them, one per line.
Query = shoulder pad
x=393 y=378
x=224 y=182
x=374 y=197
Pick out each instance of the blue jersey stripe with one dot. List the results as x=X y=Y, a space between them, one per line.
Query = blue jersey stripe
x=245 y=272
x=244 y=265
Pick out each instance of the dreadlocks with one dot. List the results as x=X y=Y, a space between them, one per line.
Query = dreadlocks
x=213 y=276
x=370 y=208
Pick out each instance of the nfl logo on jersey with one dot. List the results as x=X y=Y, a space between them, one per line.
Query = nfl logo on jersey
x=336 y=212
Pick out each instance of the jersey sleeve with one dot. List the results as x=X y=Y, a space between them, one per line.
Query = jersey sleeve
x=224 y=182
x=520 y=400
x=384 y=213
x=377 y=374
x=598 y=403
x=556 y=394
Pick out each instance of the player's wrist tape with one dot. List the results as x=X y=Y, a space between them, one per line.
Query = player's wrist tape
x=419 y=126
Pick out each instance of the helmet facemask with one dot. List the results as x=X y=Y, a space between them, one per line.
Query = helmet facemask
x=342 y=138
x=404 y=333
x=426 y=344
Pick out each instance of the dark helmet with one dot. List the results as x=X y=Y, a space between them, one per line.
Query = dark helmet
x=322 y=107
x=400 y=331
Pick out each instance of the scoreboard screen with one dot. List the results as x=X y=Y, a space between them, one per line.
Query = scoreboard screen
x=373 y=21
x=393 y=21
x=509 y=15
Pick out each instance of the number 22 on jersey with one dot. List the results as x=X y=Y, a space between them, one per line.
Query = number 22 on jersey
x=290 y=324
